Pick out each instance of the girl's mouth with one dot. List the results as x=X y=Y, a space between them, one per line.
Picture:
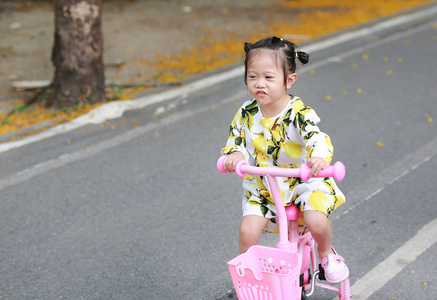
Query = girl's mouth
x=261 y=93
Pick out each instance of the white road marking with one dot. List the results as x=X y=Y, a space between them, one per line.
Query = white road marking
x=395 y=263
x=115 y=141
x=115 y=109
x=378 y=182
x=424 y=239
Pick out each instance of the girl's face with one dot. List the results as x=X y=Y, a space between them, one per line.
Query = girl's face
x=265 y=82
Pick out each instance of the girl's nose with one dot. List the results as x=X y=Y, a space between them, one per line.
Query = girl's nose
x=260 y=83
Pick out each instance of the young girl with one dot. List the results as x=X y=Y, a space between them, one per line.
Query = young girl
x=275 y=129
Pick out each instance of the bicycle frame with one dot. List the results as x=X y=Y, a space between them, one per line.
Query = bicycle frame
x=291 y=244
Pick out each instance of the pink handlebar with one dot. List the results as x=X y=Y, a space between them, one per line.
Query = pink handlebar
x=243 y=168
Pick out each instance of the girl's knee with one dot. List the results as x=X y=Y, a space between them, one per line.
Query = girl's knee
x=251 y=226
x=250 y=231
x=316 y=220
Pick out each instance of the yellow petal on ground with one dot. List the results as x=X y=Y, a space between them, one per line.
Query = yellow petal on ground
x=345 y=92
x=312 y=71
x=355 y=65
x=328 y=97
x=359 y=91
x=365 y=57
x=400 y=59
x=379 y=144
x=385 y=58
x=389 y=72
x=430 y=120
x=230 y=50
x=425 y=283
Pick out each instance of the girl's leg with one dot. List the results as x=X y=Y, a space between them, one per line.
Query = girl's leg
x=321 y=230
x=250 y=230
x=335 y=269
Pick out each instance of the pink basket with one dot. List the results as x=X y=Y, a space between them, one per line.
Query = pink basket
x=265 y=273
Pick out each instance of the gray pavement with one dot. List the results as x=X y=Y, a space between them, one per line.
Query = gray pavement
x=142 y=213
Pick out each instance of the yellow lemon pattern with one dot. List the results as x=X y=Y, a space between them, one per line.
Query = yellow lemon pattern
x=292 y=149
x=319 y=201
x=286 y=141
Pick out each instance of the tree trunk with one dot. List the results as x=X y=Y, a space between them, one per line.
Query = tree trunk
x=77 y=53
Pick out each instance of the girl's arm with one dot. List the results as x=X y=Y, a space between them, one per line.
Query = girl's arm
x=235 y=148
x=318 y=144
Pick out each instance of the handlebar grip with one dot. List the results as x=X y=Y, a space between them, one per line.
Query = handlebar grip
x=237 y=167
x=338 y=171
x=220 y=165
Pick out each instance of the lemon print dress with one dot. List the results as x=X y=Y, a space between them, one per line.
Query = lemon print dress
x=284 y=141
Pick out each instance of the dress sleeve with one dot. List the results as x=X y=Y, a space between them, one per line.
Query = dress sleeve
x=237 y=137
x=317 y=143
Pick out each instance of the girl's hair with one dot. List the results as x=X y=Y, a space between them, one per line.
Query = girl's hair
x=285 y=54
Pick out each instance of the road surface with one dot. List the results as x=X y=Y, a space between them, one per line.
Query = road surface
x=134 y=208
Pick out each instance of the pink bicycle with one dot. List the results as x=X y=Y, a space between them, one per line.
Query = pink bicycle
x=266 y=273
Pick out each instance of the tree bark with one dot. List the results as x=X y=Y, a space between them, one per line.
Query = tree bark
x=77 y=53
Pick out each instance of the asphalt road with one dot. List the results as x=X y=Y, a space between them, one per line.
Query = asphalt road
x=138 y=210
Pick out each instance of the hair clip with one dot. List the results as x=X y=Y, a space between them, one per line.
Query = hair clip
x=297 y=55
x=281 y=39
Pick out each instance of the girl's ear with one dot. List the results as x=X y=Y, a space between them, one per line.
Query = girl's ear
x=291 y=79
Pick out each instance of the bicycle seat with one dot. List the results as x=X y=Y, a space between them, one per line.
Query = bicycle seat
x=293 y=212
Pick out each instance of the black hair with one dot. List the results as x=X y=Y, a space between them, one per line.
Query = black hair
x=286 y=54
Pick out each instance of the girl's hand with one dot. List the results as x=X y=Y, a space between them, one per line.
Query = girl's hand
x=231 y=161
x=316 y=164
